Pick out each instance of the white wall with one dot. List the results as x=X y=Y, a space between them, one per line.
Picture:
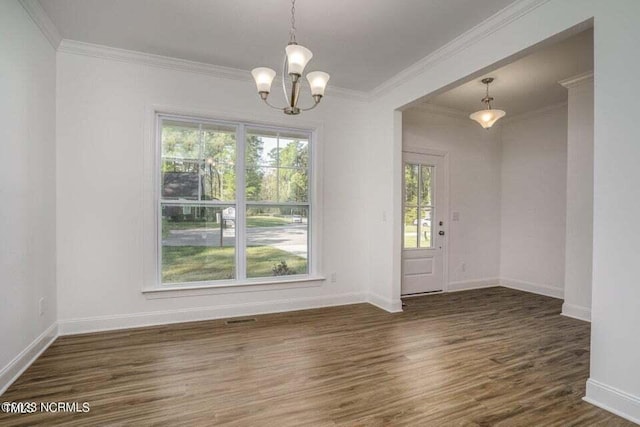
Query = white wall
x=27 y=190
x=615 y=375
x=579 y=233
x=105 y=211
x=534 y=168
x=474 y=191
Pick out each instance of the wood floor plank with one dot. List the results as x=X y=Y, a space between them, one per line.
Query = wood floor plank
x=490 y=357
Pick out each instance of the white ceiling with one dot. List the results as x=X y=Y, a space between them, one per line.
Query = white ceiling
x=529 y=83
x=361 y=43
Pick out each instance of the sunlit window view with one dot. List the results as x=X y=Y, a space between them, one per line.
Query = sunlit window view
x=200 y=228
x=418 y=206
x=277 y=192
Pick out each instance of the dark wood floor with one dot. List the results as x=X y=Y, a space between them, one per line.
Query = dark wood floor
x=477 y=358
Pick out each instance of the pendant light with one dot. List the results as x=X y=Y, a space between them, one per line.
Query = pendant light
x=295 y=61
x=488 y=116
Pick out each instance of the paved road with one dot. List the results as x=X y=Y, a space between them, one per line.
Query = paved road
x=291 y=238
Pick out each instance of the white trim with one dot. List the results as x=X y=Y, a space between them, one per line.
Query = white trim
x=576 y=312
x=26 y=357
x=467 y=285
x=240 y=204
x=249 y=285
x=384 y=303
x=578 y=80
x=536 y=288
x=141 y=58
x=611 y=399
x=136 y=320
x=502 y=18
x=43 y=21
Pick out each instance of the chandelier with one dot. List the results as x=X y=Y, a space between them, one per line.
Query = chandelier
x=295 y=60
x=488 y=116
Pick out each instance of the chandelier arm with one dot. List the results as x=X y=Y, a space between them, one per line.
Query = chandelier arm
x=312 y=107
x=273 y=106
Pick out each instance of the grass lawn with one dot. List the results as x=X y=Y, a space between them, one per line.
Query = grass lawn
x=198 y=263
x=266 y=221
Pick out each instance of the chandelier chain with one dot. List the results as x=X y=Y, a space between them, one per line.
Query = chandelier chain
x=292 y=32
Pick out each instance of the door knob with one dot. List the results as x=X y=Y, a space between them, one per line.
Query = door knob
x=441 y=233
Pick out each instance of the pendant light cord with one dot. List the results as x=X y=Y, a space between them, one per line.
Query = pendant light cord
x=488 y=99
x=292 y=32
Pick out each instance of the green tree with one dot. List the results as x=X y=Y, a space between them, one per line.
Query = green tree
x=254 y=174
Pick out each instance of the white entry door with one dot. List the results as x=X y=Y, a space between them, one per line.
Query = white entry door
x=423 y=229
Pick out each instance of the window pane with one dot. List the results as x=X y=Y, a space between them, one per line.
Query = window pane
x=198 y=243
x=293 y=153
x=219 y=155
x=293 y=185
x=277 y=167
x=411 y=184
x=410 y=227
x=262 y=184
x=426 y=186
x=277 y=240
x=261 y=149
x=197 y=161
x=425 y=228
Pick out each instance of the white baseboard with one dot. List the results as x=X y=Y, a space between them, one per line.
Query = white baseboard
x=473 y=284
x=576 y=312
x=613 y=400
x=535 y=288
x=22 y=361
x=384 y=303
x=136 y=320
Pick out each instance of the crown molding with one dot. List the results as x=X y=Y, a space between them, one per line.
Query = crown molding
x=141 y=58
x=467 y=39
x=578 y=80
x=42 y=20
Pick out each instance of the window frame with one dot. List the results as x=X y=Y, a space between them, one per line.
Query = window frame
x=240 y=203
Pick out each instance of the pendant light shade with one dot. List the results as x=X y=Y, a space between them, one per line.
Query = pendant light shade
x=297 y=58
x=487 y=117
x=264 y=77
x=318 y=82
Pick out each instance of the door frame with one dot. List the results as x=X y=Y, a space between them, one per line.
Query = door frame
x=445 y=210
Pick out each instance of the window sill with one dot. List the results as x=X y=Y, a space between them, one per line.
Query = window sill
x=248 y=285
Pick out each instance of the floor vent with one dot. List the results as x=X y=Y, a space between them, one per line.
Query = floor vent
x=236 y=321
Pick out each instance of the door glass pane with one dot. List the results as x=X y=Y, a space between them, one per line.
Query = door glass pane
x=425 y=228
x=426 y=185
x=411 y=184
x=410 y=227
x=277 y=240
x=198 y=243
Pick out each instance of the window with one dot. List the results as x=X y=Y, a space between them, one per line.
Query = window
x=418 y=206
x=234 y=201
